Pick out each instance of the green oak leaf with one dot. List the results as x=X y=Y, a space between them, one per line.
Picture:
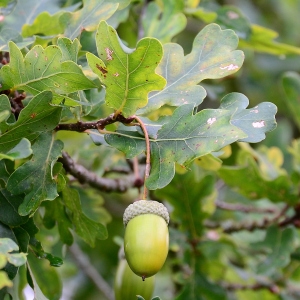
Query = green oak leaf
x=5 y=170
x=22 y=150
x=165 y=22
x=25 y=235
x=22 y=237
x=88 y=17
x=45 y=274
x=262 y=39
x=56 y=213
x=291 y=85
x=278 y=244
x=257 y=186
x=192 y=200
x=8 y=34
x=231 y=17
x=186 y=136
x=45 y=24
x=213 y=56
x=37 y=117
x=9 y=209
x=198 y=286
x=201 y=13
x=18 y=17
x=43 y=70
x=4 y=114
x=129 y=75
x=85 y=227
x=35 y=177
x=69 y=49
x=38 y=293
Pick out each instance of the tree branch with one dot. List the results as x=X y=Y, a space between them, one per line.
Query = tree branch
x=104 y=184
x=230 y=227
x=244 y=208
x=85 y=265
x=100 y=124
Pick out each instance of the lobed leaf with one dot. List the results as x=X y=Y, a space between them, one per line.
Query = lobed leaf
x=45 y=274
x=198 y=287
x=257 y=186
x=186 y=136
x=22 y=150
x=35 y=177
x=9 y=209
x=213 y=56
x=69 y=49
x=88 y=17
x=231 y=17
x=86 y=228
x=192 y=201
x=129 y=75
x=278 y=243
x=38 y=294
x=37 y=117
x=18 y=17
x=43 y=70
x=56 y=213
x=262 y=39
x=45 y=24
x=165 y=22
x=9 y=34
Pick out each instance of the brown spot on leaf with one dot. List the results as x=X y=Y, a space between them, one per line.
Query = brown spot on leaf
x=101 y=69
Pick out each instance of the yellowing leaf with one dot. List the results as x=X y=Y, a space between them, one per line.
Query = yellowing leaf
x=128 y=74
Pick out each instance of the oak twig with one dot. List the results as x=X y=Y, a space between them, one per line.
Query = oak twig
x=104 y=184
x=100 y=124
x=244 y=208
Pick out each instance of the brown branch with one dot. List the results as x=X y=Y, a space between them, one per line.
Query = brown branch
x=244 y=208
x=100 y=124
x=104 y=184
x=86 y=266
x=230 y=227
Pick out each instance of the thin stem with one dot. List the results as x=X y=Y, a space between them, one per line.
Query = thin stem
x=147 y=169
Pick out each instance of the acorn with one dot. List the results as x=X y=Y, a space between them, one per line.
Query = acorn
x=128 y=285
x=146 y=241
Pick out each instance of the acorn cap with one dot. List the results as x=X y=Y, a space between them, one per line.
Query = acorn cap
x=143 y=207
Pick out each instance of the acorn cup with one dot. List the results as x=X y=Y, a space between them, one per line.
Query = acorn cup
x=146 y=241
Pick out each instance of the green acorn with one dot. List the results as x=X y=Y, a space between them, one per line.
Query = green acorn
x=128 y=285
x=146 y=241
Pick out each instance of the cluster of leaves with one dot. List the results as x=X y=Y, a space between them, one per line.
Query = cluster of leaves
x=73 y=66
